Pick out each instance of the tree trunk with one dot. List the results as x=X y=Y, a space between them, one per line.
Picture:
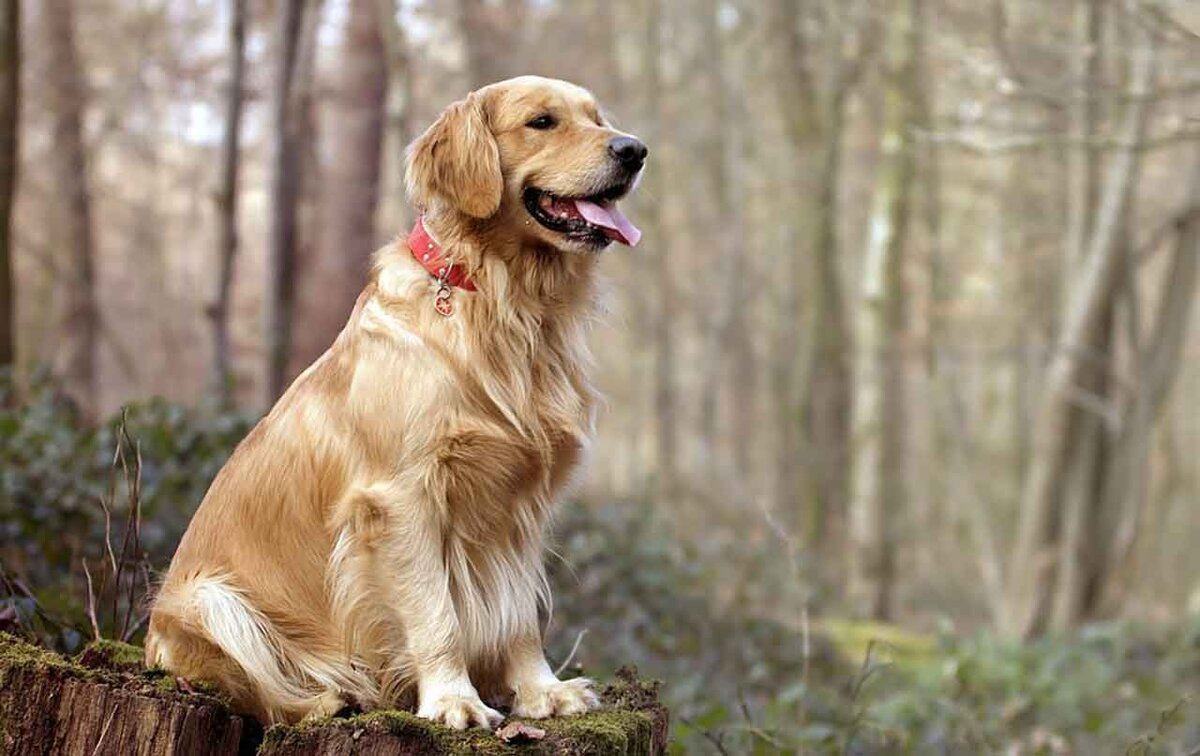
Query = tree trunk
x=878 y=483
x=818 y=398
x=227 y=201
x=1083 y=159
x=490 y=38
x=666 y=425
x=284 y=188
x=715 y=152
x=394 y=215
x=331 y=278
x=66 y=93
x=1128 y=479
x=827 y=404
x=935 y=516
x=1031 y=579
x=730 y=360
x=10 y=110
x=1090 y=437
x=789 y=377
x=52 y=705
x=827 y=413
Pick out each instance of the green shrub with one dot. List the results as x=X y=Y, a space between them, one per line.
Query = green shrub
x=55 y=470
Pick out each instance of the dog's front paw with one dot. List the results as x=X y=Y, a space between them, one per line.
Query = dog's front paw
x=460 y=712
x=560 y=698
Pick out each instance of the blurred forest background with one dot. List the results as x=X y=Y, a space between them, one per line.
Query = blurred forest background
x=902 y=436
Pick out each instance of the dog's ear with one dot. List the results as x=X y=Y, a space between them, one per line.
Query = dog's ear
x=457 y=159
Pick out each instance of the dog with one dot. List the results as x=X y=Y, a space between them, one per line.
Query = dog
x=377 y=539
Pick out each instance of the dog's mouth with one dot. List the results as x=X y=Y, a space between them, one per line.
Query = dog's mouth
x=594 y=219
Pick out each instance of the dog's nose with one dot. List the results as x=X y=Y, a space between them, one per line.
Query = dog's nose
x=630 y=152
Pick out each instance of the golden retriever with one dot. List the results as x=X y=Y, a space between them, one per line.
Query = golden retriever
x=377 y=539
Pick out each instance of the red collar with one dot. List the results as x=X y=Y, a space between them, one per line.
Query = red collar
x=430 y=256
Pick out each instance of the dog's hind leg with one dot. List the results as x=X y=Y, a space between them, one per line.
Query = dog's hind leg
x=206 y=629
x=171 y=646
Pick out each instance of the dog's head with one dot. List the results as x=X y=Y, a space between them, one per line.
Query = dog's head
x=534 y=156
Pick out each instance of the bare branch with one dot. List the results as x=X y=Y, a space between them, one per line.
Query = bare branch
x=1167 y=24
x=91 y=601
x=570 y=656
x=15 y=586
x=990 y=146
x=1164 y=231
x=135 y=628
x=1102 y=93
x=717 y=741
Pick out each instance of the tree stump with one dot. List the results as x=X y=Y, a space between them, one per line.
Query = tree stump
x=104 y=702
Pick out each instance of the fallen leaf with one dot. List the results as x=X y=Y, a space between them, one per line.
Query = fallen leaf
x=519 y=731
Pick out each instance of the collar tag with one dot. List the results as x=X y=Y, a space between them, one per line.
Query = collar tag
x=441 y=302
x=447 y=274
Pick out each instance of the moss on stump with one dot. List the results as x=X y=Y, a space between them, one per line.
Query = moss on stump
x=104 y=702
x=632 y=721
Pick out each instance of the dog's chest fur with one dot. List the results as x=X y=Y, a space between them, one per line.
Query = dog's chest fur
x=526 y=417
x=513 y=440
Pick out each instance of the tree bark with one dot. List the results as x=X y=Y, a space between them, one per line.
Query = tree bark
x=66 y=94
x=10 y=109
x=51 y=705
x=331 y=278
x=227 y=207
x=878 y=482
x=284 y=186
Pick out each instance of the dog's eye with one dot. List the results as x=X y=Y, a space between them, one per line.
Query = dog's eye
x=542 y=123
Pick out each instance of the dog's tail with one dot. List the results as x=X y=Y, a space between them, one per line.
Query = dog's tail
x=216 y=611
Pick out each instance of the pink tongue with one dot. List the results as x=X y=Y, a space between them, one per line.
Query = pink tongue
x=609 y=218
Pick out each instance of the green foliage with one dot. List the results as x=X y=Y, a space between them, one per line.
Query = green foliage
x=737 y=682
x=1106 y=689
x=1104 y=685
x=55 y=470
x=646 y=599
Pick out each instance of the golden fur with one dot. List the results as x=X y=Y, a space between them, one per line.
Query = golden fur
x=377 y=539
